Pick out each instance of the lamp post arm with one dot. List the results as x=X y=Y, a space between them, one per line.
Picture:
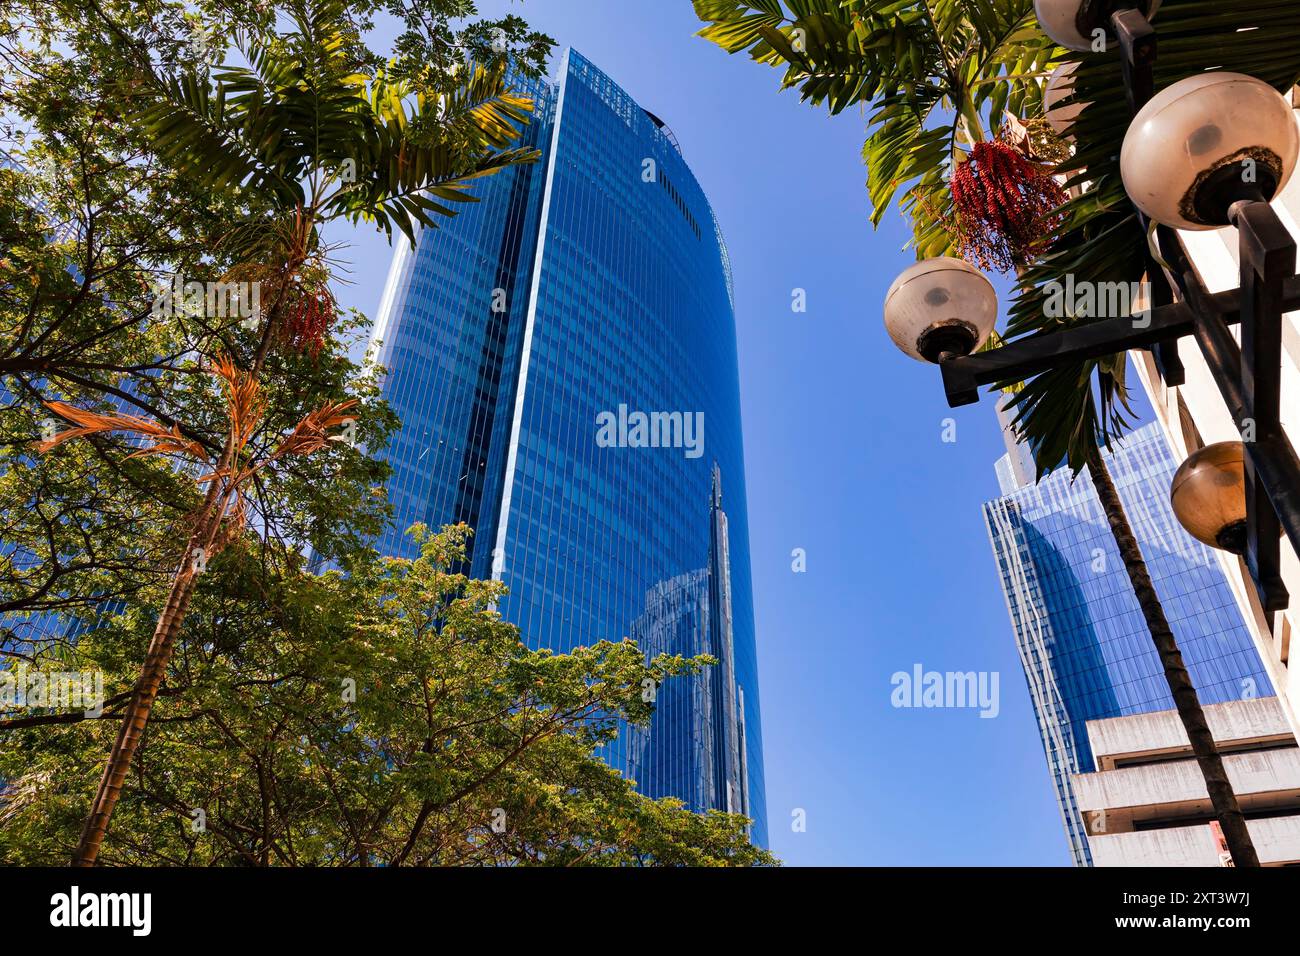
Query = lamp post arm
x=1026 y=357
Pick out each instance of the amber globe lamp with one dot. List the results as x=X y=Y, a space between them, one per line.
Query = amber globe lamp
x=1208 y=495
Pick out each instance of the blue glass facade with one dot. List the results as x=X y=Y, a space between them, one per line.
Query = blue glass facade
x=592 y=284
x=1085 y=647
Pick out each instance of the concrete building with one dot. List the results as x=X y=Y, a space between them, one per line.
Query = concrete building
x=1194 y=415
x=1146 y=804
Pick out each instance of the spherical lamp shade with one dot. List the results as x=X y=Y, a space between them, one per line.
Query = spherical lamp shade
x=1204 y=142
x=1071 y=22
x=938 y=306
x=1208 y=495
x=1059 y=86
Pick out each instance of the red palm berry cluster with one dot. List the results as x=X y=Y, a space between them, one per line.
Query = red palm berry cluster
x=1006 y=207
x=308 y=321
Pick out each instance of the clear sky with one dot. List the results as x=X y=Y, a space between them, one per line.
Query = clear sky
x=845 y=458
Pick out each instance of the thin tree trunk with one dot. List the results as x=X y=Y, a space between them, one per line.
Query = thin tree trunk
x=157 y=658
x=207 y=526
x=1180 y=684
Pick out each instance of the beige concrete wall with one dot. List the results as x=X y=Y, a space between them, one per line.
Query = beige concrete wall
x=1117 y=801
x=1236 y=721
x=1177 y=782
x=1276 y=839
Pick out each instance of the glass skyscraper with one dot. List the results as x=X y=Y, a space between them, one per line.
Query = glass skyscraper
x=592 y=287
x=1085 y=647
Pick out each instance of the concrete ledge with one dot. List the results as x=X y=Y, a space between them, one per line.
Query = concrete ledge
x=1178 y=782
x=1238 y=721
x=1276 y=839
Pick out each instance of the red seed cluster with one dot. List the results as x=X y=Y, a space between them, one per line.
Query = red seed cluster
x=1005 y=206
x=308 y=321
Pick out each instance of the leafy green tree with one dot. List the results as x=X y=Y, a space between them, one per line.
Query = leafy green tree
x=254 y=159
x=309 y=140
x=101 y=212
x=387 y=716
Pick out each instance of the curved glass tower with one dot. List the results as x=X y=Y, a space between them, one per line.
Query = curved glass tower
x=562 y=355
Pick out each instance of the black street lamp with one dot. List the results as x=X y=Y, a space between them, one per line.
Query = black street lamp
x=1206 y=152
x=1074 y=23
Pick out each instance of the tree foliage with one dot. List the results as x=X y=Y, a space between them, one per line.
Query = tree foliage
x=388 y=716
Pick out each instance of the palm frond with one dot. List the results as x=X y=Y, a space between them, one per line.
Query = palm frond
x=936 y=74
x=300 y=127
x=245 y=404
x=428 y=150
x=166 y=441
x=312 y=433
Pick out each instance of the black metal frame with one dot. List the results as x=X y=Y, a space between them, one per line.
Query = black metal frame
x=1248 y=376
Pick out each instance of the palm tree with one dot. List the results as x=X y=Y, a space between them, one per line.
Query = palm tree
x=219 y=518
x=298 y=137
x=934 y=76
x=927 y=70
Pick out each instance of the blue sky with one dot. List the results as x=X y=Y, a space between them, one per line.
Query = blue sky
x=845 y=459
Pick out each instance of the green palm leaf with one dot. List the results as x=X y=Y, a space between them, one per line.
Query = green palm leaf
x=935 y=74
x=300 y=127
